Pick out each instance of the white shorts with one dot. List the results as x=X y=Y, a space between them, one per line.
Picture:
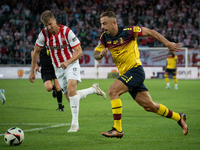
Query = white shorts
x=63 y=75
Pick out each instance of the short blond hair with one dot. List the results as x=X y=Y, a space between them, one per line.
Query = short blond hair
x=46 y=16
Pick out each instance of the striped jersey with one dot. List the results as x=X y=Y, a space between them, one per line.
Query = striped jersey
x=123 y=47
x=171 y=60
x=60 y=45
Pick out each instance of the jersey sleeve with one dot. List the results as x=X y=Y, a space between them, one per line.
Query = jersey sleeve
x=100 y=45
x=175 y=57
x=137 y=31
x=40 y=40
x=73 y=40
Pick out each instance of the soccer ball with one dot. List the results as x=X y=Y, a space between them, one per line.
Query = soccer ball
x=14 y=136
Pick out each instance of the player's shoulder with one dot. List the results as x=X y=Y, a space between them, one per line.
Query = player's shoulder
x=103 y=35
x=44 y=32
x=134 y=29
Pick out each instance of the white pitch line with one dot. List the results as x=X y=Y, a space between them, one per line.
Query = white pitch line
x=27 y=124
x=53 y=126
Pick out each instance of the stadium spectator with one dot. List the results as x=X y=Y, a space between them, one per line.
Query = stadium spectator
x=182 y=15
x=4 y=59
x=17 y=57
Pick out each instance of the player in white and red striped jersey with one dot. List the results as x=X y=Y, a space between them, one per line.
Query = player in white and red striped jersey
x=65 y=50
x=61 y=46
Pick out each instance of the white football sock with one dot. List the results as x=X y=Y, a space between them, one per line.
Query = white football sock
x=74 y=104
x=83 y=93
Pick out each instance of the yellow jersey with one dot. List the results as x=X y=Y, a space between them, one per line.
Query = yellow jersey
x=171 y=60
x=123 y=47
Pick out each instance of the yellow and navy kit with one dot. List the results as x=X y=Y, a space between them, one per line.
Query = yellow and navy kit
x=123 y=47
x=171 y=60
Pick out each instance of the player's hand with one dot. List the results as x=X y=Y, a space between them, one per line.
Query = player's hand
x=174 y=46
x=103 y=52
x=64 y=65
x=37 y=68
x=32 y=77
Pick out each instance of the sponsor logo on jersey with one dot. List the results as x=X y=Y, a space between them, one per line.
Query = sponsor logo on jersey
x=74 y=39
x=56 y=47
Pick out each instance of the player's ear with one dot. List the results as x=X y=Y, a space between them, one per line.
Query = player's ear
x=114 y=22
x=55 y=21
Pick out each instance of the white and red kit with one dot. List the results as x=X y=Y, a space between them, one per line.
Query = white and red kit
x=61 y=49
x=60 y=45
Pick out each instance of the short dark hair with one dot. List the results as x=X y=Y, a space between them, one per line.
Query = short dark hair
x=109 y=14
x=46 y=15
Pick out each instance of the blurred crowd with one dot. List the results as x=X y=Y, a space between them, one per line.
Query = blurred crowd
x=20 y=22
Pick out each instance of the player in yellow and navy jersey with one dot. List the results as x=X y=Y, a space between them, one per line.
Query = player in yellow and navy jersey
x=171 y=68
x=122 y=43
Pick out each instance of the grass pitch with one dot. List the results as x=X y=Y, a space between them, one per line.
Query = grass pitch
x=30 y=107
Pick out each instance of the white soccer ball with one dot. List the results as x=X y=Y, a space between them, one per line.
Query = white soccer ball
x=14 y=136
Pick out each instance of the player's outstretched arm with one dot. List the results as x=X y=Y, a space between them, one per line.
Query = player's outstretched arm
x=171 y=45
x=35 y=56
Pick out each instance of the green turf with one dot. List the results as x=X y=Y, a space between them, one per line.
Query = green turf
x=29 y=106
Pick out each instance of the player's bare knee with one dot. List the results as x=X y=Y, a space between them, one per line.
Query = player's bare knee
x=48 y=89
x=71 y=92
x=112 y=93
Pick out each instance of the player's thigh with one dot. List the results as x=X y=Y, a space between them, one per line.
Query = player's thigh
x=72 y=87
x=167 y=71
x=174 y=72
x=47 y=80
x=117 y=88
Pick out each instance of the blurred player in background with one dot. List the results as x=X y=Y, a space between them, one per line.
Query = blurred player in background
x=65 y=51
x=171 y=68
x=2 y=96
x=122 y=43
x=48 y=74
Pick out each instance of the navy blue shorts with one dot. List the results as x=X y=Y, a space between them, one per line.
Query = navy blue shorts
x=171 y=71
x=48 y=73
x=48 y=76
x=134 y=79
